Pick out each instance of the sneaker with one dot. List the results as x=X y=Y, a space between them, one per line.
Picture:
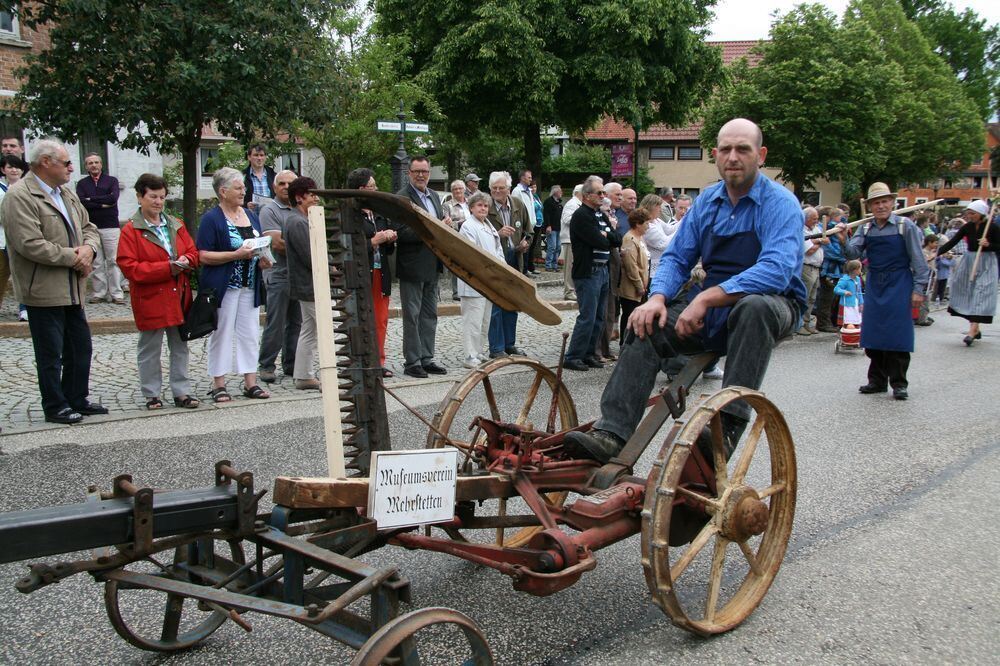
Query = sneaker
x=118 y=301
x=267 y=376
x=803 y=331
x=22 y=315
x=483 y=358
x=471 y=362
x=498 y=354
x=308 y=384
x=714 y=373
x=95 y=299
x=599 y=445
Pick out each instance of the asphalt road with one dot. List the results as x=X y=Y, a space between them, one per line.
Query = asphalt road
x=893 y=557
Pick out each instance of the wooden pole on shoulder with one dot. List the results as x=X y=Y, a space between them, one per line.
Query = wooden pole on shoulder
x=332 y=426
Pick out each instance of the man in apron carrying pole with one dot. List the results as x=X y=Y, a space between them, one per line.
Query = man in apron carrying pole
x=747 y=231
x=897 y=280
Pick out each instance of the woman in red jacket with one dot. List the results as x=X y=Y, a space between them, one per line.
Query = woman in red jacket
x=157 y=255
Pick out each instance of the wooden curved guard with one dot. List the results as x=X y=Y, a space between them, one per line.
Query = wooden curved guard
x=483 y=272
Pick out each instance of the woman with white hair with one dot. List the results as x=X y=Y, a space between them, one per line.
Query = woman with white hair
x=975 y=297
x=234 y=272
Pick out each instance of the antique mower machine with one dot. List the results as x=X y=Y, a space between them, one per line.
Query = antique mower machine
x=714 y=528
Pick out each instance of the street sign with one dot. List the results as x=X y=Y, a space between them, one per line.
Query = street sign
x=389 y=125
x=421 y=128
x=412 y=487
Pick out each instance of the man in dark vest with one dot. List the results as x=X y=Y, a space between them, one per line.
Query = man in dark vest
x=747 y=232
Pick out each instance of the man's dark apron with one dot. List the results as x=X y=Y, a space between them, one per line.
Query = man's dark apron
x=722 y=257
x=887 y=323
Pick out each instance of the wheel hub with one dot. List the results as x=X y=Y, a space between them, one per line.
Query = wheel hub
x=745 y=515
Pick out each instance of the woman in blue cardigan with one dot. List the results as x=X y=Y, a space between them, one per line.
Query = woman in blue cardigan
x=235 y=274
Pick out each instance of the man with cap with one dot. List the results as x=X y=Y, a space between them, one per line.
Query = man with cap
x=897 y=281
x=471 y=184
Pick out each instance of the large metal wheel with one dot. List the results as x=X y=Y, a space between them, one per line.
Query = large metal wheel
x=705 y=586
x=475 y=396
x=147 y=620
x=400 y=633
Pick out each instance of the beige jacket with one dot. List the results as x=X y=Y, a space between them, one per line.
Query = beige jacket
x=40 y=246
x=635 y=269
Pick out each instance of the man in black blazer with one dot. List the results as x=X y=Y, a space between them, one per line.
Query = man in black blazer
x=418 y=268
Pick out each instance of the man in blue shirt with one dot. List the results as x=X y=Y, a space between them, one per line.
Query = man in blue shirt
x=747 y=231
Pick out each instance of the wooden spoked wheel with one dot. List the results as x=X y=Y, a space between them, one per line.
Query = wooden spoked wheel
x=525 y=398
x=400 y=634
x=715 y=581
x=162 y=622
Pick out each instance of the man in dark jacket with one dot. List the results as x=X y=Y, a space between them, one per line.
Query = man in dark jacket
x=592 y=238
x=98 y=192
x=418 y=268
x=551 y=211
x=258 y=178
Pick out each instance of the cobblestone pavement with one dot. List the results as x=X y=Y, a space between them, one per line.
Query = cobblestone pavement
x=114 y=379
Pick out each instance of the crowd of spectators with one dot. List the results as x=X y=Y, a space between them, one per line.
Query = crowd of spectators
x=610 y=245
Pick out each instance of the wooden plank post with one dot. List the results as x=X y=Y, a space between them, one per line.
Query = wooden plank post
x=332 y=426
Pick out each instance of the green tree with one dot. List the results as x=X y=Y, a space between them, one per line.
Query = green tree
x=936 y=127
x=967 y=43
x=155 y=73
x=368 y=88
x=511 y=68
x=815 y=94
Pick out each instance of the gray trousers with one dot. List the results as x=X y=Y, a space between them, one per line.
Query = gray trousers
x=756 y=323
x=305 y=352
x=567 y=255
x=810 y=276
x=281 y=332
x=418 y=302
x=150 y=370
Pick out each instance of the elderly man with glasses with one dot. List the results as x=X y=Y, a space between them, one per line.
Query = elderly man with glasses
x=592 y=238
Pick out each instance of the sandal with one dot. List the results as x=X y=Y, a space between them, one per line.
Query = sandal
x=154 y=403
x=256 y=392
x=220 y=394
x=187 y=402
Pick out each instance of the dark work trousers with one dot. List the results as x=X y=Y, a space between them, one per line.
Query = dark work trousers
x=755 y=325
x=628 y=305
x=611 y=305
x=281 y=332
x=61 y=337
x=888 y=367
x=825 y=303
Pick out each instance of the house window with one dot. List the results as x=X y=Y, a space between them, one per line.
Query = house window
x=900 y=202
x=692 y=192
x=920 y=200
x=661 y=152
x=689 y=153
x=810 y=197
x=89 y=143
x=947 y=184
x=291 y=161
x=8 y=24
x=977 y=182
x=208 y=156
x=11 y=126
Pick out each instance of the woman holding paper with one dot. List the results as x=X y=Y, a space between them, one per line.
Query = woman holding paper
x=233 y=271
x=157 y=256
x=974 y=297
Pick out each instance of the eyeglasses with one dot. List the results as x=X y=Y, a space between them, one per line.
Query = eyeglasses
x=600 y=194
x=65 y=163
x=419 y=171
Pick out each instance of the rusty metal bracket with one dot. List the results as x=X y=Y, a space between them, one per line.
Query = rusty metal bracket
x=142 y=512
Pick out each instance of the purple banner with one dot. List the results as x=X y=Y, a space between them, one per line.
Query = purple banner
x=621 y=160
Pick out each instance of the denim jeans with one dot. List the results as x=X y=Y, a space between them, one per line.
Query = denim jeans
x=552 y=250
x=591 y=297
x=755 y=324
x=503 y=329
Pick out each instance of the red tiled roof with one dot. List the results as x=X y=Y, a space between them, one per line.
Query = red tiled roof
x=610 y=129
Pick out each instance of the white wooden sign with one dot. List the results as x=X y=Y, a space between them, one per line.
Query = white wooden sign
x=412 y=487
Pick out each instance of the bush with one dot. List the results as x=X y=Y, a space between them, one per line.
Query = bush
x=579 y=158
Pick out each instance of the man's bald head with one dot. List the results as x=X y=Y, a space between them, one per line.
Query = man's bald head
x=741 y=126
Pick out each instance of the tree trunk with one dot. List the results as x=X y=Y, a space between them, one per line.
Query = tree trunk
x=189 y=154
x=533 y=152
x=451 y=164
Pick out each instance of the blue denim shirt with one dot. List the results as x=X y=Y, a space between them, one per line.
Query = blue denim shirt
x=771 y=211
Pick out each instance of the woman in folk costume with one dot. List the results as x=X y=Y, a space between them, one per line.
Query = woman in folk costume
x=974 y=296
x=897 y=280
